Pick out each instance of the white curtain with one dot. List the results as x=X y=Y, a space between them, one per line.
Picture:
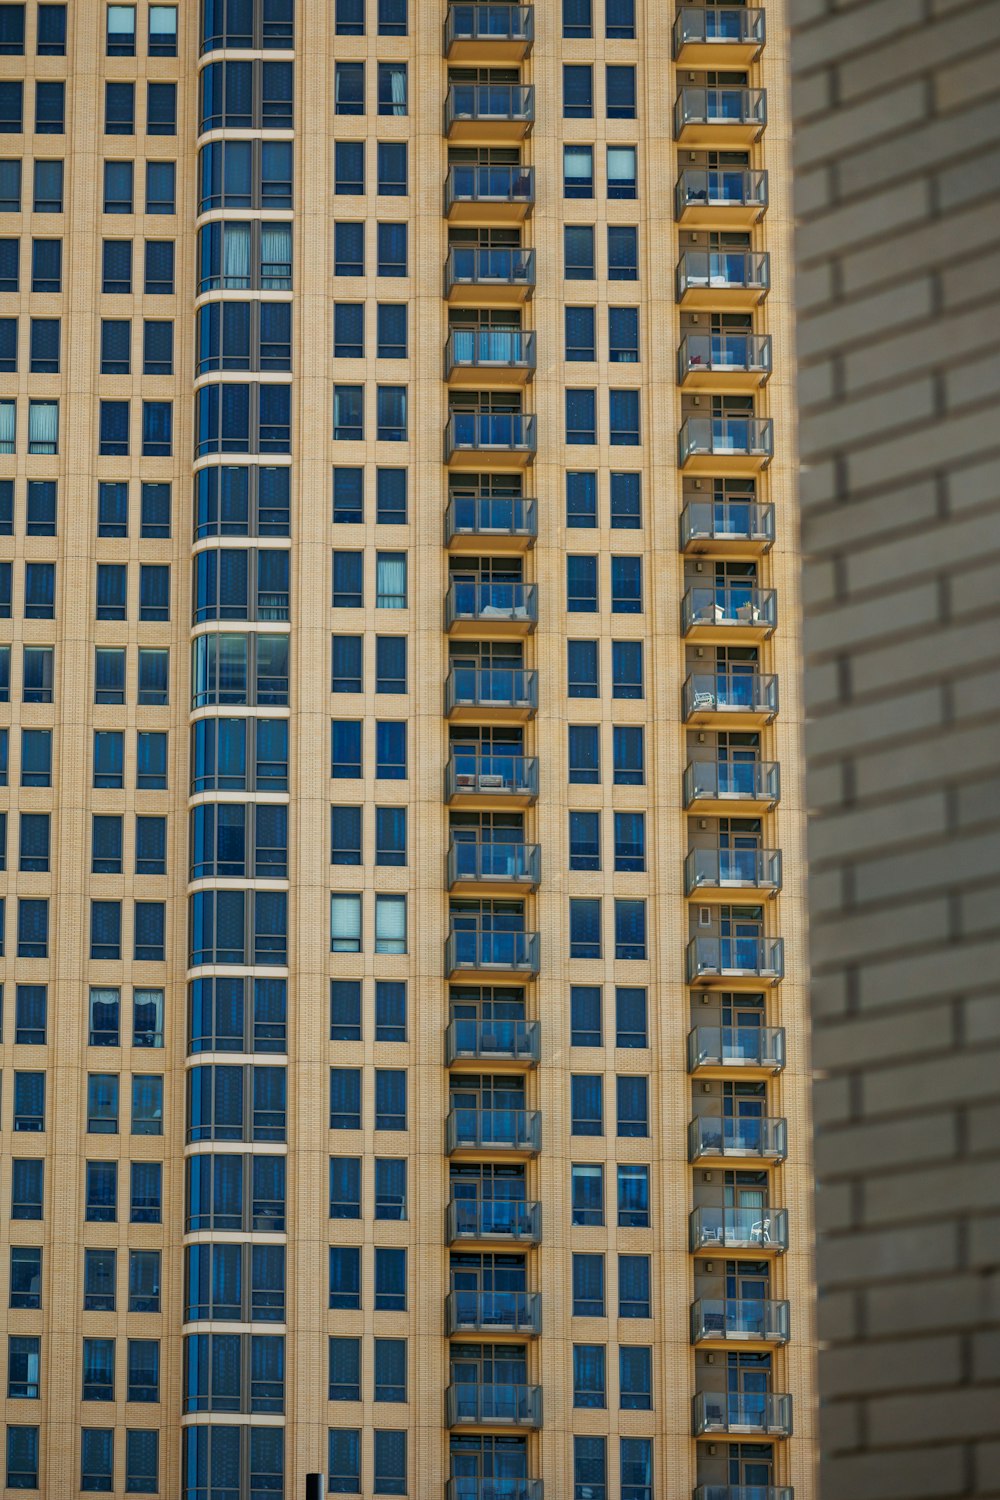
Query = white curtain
x=236 y=257
x=621 y=164
x=578 y=161
x=345 y=924
x=276 y=257
x=390 y=580
x=390 y=924
x=43 y=426
x=8 y=422
x=399 y=90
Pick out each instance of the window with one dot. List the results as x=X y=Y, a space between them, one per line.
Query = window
x=390 y=750
x=391 y=334
x=112 y=591
x=145 y=1193
x=578 y=171
x=34 y=842
x=10 y=186
x=348 y=330
x=390 y=1187
x=586 y=1104
x=39 y=591
x=348 y=248
x=620 y=92
x=161 y=189
x=581 y=416
x=109 y=757
x=104 y=1009
x=580 y=334
x=390 y=1279
x=626 y=501
x=584 y=841
x=25 y=1276
x=626 y=585
x=349 y=169
x=10 y=265
x=348 y=492
x=98 y=1372
x=390 y=1099
x=159 y=268
x=581 y=493
x=623 y=335
x=633 y=1105
x=590 y=1468
x=345 y=749
x=390 y=1369
x=622 y=172
x=392 y=17
x=584 y=754
x=577 y=20
x=588 y=1286
x=585 y=927
x=157 y=428
x=51 y=39
x=633 y=1286
x=37 y=672
x=97 y=1456
x=392 y=169
x=345 y=1276
x=392 y=89
x=348 y=413
x=390 y=924
x=27 y=1188
x=344 y=1370
x=345 y=1187
x=119 y=109
x=162 y=33
x=390 y=835
x=102 y=1103
x=587 y=1193
x=623 y=412
x=118 y=187
x=578 y=91
x=12 y=30
x=626 y=669
x=392 y=250
x=44 y=346
x=120 y=36
x=29 y=1102
x=630 y=1017
x=390 y=580
x=116 y=266
x=23 y=1358
x=116 y=346
x=114 y=434
x=345 y=1098
x=619 y=21
x=635 y=1377
x=630 y=929
x=589 y=1377
x=348 y=587
x=43 y=426
x=8 y=345
x=143 y=1369
x=151 y=760
x=343 y=1453
x=345 y=924
x=161 y=109
x=390 y=1462
x=633 y=1196
x=147 y=1104
x=581 y=583
x=623 y=252
x=346 y=664
x=11 y=107
x=30 y=1015
x=46 y=266
x=349 y=17
x=390 y=663
x=585 y=1015
x=581 y=669
x=154 y=516
x=628 y=755
x=32 y=928
x=141 y=1443
x=157 y=348
x=22 y=1458
x=390 y=413
x=345 y=835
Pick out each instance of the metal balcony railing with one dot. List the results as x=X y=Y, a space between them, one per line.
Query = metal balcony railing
x=507 y=952
x=731 y=692
x=494 y=1405
x=762 y=958
x=494 y=1129
x=476 y=265
x=727 y=520
x=719 y=353
x=503 y=864
x=492 y=1041
x=514 y=102
x=513 y=184
x=486 y=22
x=747 y=1411
x=491 y=687
x=753 y=1229
x=723 y=270
x=726 y=187
x=491 y=776
x=493 y=1312
x=722 y=25
x=733 y=780
x=489 y=349
x=748 y=1135
x=720 y=106
x=732 y=1319
x=743 y=1492
x=734 y=605
x=736 y=1047
x=726 y=437
x=718 y=869
x=493 y=1489
x=494 y=1219
x=491 y=431
x=508 y=602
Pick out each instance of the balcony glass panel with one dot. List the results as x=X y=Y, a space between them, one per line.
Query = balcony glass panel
x=730 y=692
x=732 y=1319
x=725 y=106
x=498 y=687
x=491 y=775
x=474 y=265
x=750 y=1135
x=738 y=1229
x=759 y=868
x=504 y=1129
x=733 y=604
x=468 y=1488
x=508 y=431
x=736 y=1046
x=492 y=601
x=719 y=352
x=743 y=1492
x=508 y=348
x=517 y=1041
x=727 y=436
x=736 y=955
x=740 y=780
x=494 y=1218
x=727 y=187
x=490 y=184
x=490 y=101
x=505 y=1405
x=696 y=23
x=723 y=270
x=747 y=1411
x=493 y=1312
x=516 y=951
x=488 y=22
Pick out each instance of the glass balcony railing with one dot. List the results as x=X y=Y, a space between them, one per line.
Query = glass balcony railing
x=729 y=1319
x=748 y=1135
x=744 y=1411
x=493 y=1489
x=495 y=1130
x=762 y=958
x=743 y=1492
x=493 y=1312
x=719 y=869
x=752 y=1229
x=514 y=185
x=494 y=1405
x=732 y=780
x=486 y=22
x=724 y=353
x=494 y=864
x=490 y=349
x=491 y=432
x=732 y=605
x=491 y=776
x=724 y=521
x=513 y=603
x=736 y=1047
x=485 y=102
x=514 y=952
x=491 y=687
x=723 y=188
x=492 y=1041
x=722 y=26
x=494 y=1219
x=476 y=265
x=731 y=692
x=726 y=437
x=723 y=106
x=491 y=517
x=723 y=271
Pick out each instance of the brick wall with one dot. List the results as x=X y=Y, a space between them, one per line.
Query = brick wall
x=897 y=141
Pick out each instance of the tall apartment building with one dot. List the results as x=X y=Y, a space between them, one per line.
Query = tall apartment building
x=405 y=1039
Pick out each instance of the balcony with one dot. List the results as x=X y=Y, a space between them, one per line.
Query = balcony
x=722 y=1137
x=494 y=1489
x=730 y=198
x=478 y=781
x=489 y=33
x=739 y=1322
x=758 y=1231
x=726 y=528
x=493 y=1042
x=476 y=194
x=493 y=1222
x=476 y=276
x=506 y=523
x=740 y=963
x=724 y=700
x=728 y=1413
x=724 y=362
x=729 y=787
x=505 y=439
x=499 y=357
x=739 y=446
x=494 y=1405
x=508 y=609
x=755 y=874
x=728 y=613
x=743 y=1492
x=722 y=117
x=717 y=280
x=490 y=953
x=716 y=1051
x=494 y=1132
x=494 y=869
x=706 y=37
x=493 y=1313
x=489 y=112
x=508 y=694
